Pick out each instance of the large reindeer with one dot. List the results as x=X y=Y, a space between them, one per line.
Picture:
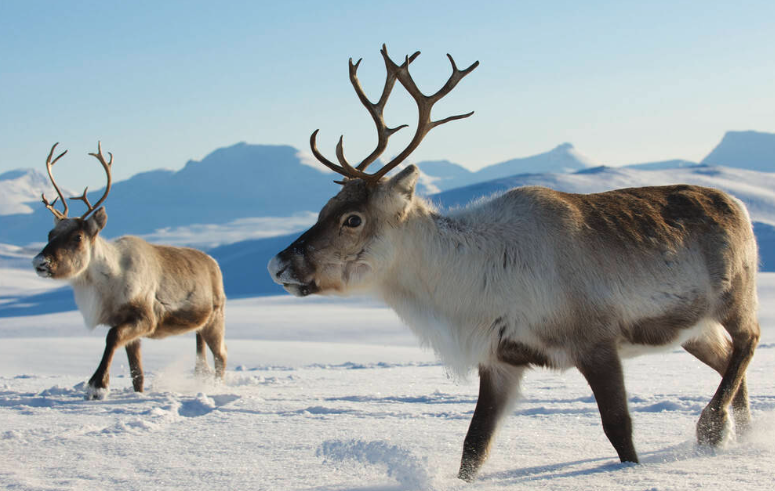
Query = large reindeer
x=136 y=288
x=536 y=277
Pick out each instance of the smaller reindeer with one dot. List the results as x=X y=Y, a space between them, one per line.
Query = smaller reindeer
x=136 y=288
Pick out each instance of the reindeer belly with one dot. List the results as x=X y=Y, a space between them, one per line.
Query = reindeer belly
x=669 y=339
x=181 y=321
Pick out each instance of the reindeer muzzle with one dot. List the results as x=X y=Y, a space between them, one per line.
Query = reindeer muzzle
x=42 y=265
x=282 y=273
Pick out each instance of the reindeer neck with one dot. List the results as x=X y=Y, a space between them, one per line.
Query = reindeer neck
x=440 y=263
x=104 y=264
x=439 y=286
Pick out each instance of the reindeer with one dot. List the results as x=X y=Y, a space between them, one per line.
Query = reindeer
x=136 y=288
x=539 y=278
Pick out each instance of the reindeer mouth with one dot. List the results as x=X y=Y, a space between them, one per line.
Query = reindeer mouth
x=301 y=289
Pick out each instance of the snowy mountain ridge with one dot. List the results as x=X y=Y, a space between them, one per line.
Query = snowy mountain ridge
x=20 y=191
x=246 y=181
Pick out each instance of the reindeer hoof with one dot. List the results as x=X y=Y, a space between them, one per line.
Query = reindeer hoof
x=96 y=393
x=712 y=428
x=467 y=472
x=203 y=372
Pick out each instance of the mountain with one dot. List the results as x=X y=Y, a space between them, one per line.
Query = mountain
x=20 y=188
x=243 y=265
x=563 y=158
x=442 y=175
x=745 y=150
x=447 y=175
x=247 y=181
x=231 y=183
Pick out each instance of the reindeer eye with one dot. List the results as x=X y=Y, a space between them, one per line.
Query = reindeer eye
x=353 y=221
x=77 y=238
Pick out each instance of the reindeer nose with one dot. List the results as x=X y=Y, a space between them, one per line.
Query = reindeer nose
x=42 y=265
x=276 y=267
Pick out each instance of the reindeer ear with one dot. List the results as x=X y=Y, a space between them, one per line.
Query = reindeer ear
x=405 y=181
x=97 y=221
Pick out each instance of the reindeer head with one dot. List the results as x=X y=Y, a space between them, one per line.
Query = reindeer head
x=69 y=249
x=350 y=245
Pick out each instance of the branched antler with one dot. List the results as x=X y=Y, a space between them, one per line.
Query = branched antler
x=89 y=208
x=424 y=123
x=49 y=164
x=107 y=167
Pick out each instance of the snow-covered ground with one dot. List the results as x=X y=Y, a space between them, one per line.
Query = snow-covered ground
x=331 y=394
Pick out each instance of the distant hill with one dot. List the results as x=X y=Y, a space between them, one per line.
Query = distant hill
x=19 y=188
x=447 y=175
x=563 y=158
x=244 y=265
x=235 y=182
x=745 y=150
x=245 y=181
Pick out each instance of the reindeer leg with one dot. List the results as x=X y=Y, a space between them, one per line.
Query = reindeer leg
x=740 y=408
x=135 y=325
x=98 y=383
x=712 y=425
x=498 y=388
x=135 y=364
x=202 y=369
x=213 y=336
x=603 y=371
x=715 y=350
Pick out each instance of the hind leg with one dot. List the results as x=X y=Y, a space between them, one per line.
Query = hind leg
x=744 y=331
x=201 y=369
x=715 y=350
x=213 y=334
x=135 y=364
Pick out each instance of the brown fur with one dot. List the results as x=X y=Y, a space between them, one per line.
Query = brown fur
x=138 y=290
x=537 y=277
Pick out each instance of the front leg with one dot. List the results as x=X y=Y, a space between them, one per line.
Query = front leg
x=118 y=336
x=498 y=388
x=98 y=383
x=603 y=371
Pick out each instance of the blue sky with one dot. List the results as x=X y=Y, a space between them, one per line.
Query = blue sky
x=162 y=82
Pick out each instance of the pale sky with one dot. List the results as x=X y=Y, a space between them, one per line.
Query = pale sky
x=162 y=82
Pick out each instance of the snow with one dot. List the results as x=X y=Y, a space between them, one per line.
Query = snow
x=206 y=236
x=334 y=394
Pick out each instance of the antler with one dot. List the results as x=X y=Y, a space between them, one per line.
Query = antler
x=49 y=164
x=107 y=167
x=424 y=123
